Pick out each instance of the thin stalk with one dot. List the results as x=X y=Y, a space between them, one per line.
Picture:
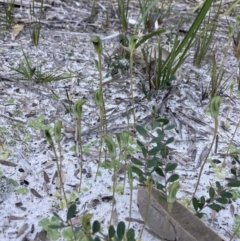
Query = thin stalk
x=201 y=170
x=131 y=88
x=125 y=163
x=229 y=145
x=101 y=142
x=114 y=189
x=61 y=181
x=130 y=177
x=104 y=123
x=148 y=204
x=79 y=131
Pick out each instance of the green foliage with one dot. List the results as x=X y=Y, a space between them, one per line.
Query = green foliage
x=118 y=234
x=237 y=225
x=153 y=154
x=4 y=152
x=204 y=42
x=38 y=124
x=22 y=190
x=28 y=72
x=71 y=211
x=218 y=196
x=68 y=235
x=123 y=13
x=13 y=182
x=9 y=13
x=52 y=233
x=37 y=24
x=166 y=70
x=10 y=101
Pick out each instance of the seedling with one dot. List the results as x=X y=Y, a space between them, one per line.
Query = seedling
x=9 y=13
x=36 y=25
x=28 y=72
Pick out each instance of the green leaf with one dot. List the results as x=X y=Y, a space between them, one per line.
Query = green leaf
x=142 y=131
x=13 y=182
x=111 y=232
x=208 y=200
x=148 y=36
x=200 y=205
x=170 y=167
x=215 y=207
x=222 y=200
x=144 y=152
x=151 y=163
x=96 y=226
x=22 y=190
x=140 y=144
x=97 y=239
x=163 y=121
x=137 y=171
x=199 y=215
x=233 y=171
x=159 y=186
x=173 y=178
x=57 y=216
x=157 y=139
x=211 y=192
x=160 y=132
x=234 y=183
x=159 y=171
x=170 y=127
x=71 y=211
x=53 y=234
x=164 y=152
x=195 y=203
x=67 y=234
x=44 y=223
x=137 y=162
x=72 y=148
x=130 y=235
x=121 y=230
x=218 y=185
x=202 y=200
x=226 y=194
x=169 y=140
x=154 y=151
x=142 y=179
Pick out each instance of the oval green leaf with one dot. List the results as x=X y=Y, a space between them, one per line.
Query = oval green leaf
x=142 y=131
